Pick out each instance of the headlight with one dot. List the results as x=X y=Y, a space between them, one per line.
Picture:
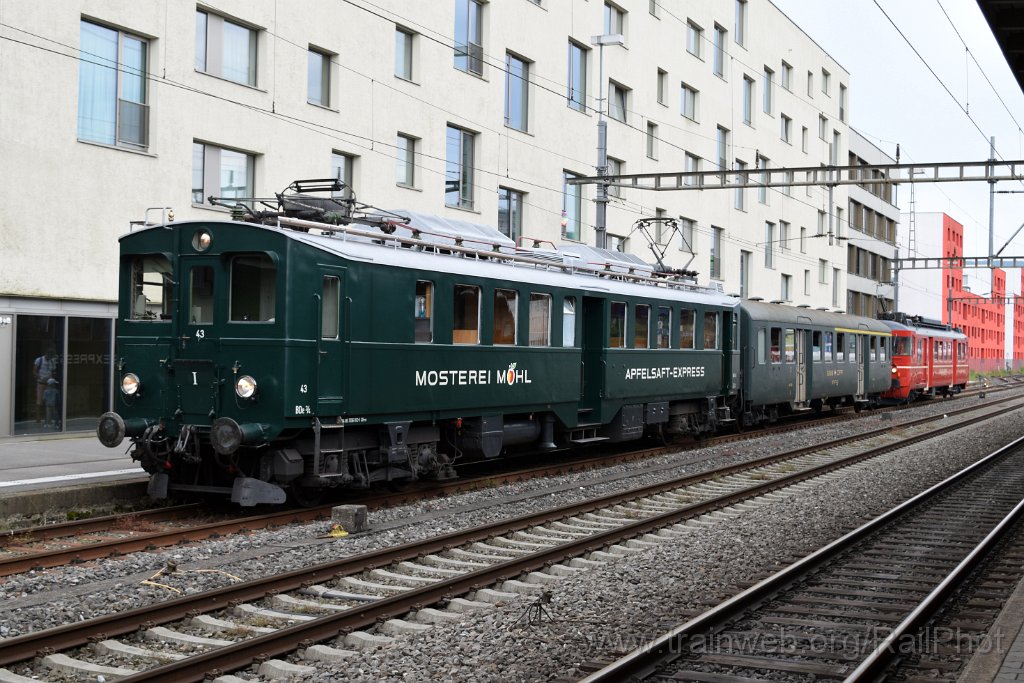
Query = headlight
x=201 y=240
x=130 y=384
x=894 y=370
x=245 y=386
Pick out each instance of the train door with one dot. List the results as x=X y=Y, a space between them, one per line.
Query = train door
x=332 y=337
x=592 y=370
x=801 y=366
x=201 y=286
x=860 y=343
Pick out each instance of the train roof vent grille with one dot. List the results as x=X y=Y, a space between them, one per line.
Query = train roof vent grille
x=442 y=231
x=585 y=257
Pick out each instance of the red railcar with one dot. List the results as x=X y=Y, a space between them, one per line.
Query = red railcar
x=928 y=359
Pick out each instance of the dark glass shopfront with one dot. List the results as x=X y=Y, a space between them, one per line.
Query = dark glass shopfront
x=62 y=373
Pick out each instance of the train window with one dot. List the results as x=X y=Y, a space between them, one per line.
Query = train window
x=712 y=333
x=883 y=343
x=920 y=350
x=617 y=338
x=687 y=319
x=569 y=321
x=735 y=332
x=540 y=319
x=329 y=318
x=854 y=341
x=762 y=346
x=423 y=312
x=664 y=327
x=829 y=349
x=873 y=348
x=152 y=292
x=466 y=314
x=961 y=350
x=201 y=295
x=903 y=346
x=776 y=347
x=642 y=326
x=505 y=316
x=816 y=346
x=253 y=289
x=840 y=347
x=790 y=348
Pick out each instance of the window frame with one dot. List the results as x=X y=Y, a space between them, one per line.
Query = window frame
x=323 y=77
x=94 y=69
x=465 y=193
x=517 y=92
x=211 y=172
x=214 y=47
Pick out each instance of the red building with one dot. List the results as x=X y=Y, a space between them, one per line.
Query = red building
x=981 y=317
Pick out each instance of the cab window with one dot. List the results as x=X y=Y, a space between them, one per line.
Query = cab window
x=253 y=289
x=540 y=319
x=903 y=346
x=642 y=326
x=617 y=331
x=505 y=303
x=466 y=314
x=423 y=312
x=151 y=286
x=712 y=333
x=200 y=301
x=687 y=318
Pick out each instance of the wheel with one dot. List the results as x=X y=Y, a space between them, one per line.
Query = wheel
x=305 y=496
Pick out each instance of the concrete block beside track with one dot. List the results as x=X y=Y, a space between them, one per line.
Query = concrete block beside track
x=280 y=670
x=77 y=667
x=326 y=654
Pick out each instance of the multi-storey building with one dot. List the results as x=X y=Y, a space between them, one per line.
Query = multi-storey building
x=973 y=299
x=464 y=108
x=871 y=242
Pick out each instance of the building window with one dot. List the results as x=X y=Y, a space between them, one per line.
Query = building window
x=403 y=53
x=342 y=168
x=834 y=151
x=458 y=168
x=823 y=271
x=784 y=235
x=112 y=93
x=821 y=222
x=318 y=78
x=835 y=286
x=405 y=161
x=577 y=94
x=745 y=274
x=784 y=294
x=694 y=39
x=842 y=102
x=688 y=102
x=618 y=101
x=769 y=90
x=662 y=86
x=653 y=7
x=769 y=239
x=786 y=77
x=786 y=132
x=741 y=22
x=748 y=100
x=810 y=84
x=790 y=178
x=652 y=140
x=741 y=182
x=615 y=167
x=716 y=253
x=807 y=286
x=722 y=145
x=691 y=164
x=517 y=93
x=572 y=207
x=803 y=240
x=803 y=139
x=614 y=19
x=686 y=235
x=718 y=65
x=225 y=49
x=823 y=127
x=762 y=187
x=469 y=32
x=510 y=212
x=826 y=82
x=220 y=172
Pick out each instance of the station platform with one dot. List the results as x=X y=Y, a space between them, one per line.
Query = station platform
x=1000 y=657
x=39 y=473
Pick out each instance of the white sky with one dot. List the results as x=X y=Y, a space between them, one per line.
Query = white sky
x=895 y=99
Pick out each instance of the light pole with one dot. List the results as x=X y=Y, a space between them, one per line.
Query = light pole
x=601 y=222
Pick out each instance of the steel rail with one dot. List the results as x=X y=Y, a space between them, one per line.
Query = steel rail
x=285 y=640
x=644 y=661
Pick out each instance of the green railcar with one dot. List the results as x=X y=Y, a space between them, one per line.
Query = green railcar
x=257 y=360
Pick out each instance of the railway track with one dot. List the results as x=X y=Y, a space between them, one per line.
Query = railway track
x=857 y=607
x=55 y=545
x=231 y=627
